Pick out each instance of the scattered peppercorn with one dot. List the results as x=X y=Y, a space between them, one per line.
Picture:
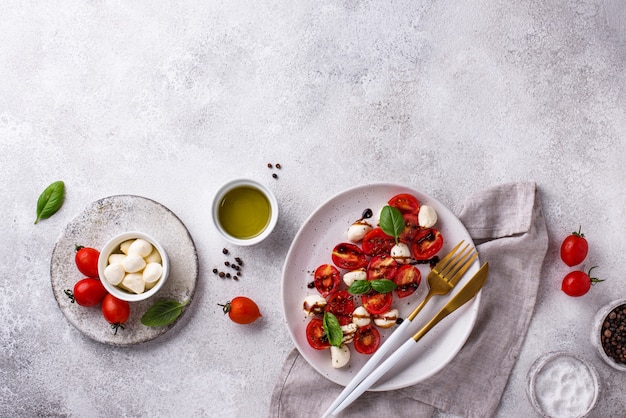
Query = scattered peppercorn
x=311 y=285
x=225 y=251
x=238 y=261
x=278 y=166
x=222 y=274
x=215 y=271
x=269 y=165
x=226 y=263
x=228 y=275
x=275 y=175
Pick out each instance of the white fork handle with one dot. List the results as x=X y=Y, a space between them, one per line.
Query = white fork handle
x=370 y=365
x=376 y=374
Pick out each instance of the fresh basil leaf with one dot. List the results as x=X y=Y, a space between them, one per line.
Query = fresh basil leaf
x=50 y=200
x=162 y=313
x=383 y=285
x=332 y=329
x=359 y=287
x=391 y=221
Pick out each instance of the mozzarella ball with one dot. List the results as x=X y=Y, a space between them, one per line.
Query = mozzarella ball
x=140 y=247
x=124 y=246
x=134 y=282
x=114 y=274
x=427 y=216
x=354 y=275
x=116 y=258
x=349 y=330
x=154 y=257
x=388 y=319
x=340 y=356
x=133 y=263
x=314 y=305
x=401 y=253
x=357 y=230
x=152 y=273
x=360 y=317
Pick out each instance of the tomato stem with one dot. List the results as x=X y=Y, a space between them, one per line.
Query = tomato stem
x=70 y=295
x=78 y=247
x=579 y=233
x=593 y=279
x=116 y=327
x=226 y=307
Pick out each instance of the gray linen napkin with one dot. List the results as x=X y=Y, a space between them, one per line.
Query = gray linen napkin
x=508 y=228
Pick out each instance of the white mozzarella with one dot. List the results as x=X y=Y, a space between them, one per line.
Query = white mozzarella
x=314 y=305
x=357 y=230
x=134 y=283
x=401 y=253
x=140 y=247
x=340 y=356
x=360 y=317
x=114 y=274
x=388 y=319
x=116 y=258
x=124 y=246
x=348 y=332
x=354 y=275
x=427 y=216
x=152 y=273
x=133 y=263
x=154 y=257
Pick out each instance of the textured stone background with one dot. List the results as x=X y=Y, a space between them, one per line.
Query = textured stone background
x=170 y=101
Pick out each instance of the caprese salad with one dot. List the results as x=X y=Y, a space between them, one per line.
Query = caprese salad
x=356 y=290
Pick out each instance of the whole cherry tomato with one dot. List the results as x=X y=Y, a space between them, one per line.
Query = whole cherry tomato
x=577 y=283
x=574 y=249
x=87 y=261
x=115 y=311
x=87 y=292
x=242 y=310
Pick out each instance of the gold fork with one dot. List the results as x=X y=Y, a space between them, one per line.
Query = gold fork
x=441 y=280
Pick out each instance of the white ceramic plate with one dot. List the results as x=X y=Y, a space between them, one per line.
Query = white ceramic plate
x=97 y=224
x=313 y=245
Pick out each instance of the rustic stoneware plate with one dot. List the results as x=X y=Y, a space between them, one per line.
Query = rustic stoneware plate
x=313 y=245
x=97 y=224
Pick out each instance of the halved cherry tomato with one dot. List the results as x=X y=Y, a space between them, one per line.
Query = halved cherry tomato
x=87 y=261
x=407 y=279
x=411 y=228
x=382 y=267
x=315 y=334
x=376 y=242
x=326 y=279
x=405 y=203
x=340 y=303
x=427 y=243
x=377 y=303
x=348 y=256
x=366 y=340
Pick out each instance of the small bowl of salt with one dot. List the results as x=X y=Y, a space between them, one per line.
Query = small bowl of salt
x=562 y=385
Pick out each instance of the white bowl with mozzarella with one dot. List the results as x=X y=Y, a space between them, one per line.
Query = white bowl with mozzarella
x=133 y=266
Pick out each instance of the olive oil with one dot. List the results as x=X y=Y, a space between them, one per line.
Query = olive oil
x=244 y=212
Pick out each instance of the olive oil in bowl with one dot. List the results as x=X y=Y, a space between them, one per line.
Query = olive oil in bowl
x=245 y=212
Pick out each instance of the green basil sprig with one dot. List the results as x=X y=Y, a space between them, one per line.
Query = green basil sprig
x=360 y=287
x=391 y=221
x=50 y=200
x=332 y=329
x=163 y=313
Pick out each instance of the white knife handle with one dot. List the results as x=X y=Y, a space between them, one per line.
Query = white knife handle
x=371 y=364
x=377 y=374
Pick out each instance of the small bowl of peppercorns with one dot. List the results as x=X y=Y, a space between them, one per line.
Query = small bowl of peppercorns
x=609 y=334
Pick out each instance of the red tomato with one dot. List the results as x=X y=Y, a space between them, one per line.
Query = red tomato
x=340 y=303
x=89 y=292
x=577 y=283
x=405 y=203
x=242 y=310
x=348 y=256
x=382 y=267
x=411 y=228
x=315 y=334
x=326 y=279
x=427 y=243
x=376 y=242
x=407 y=279
x=377 y=303
x=115 y=311
x=87 y=261
x=574 y=249
x=366 y=340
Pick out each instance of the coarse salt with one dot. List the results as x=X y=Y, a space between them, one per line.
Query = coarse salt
x=564 y=386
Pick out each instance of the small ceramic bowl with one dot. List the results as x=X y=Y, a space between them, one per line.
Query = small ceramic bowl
x=562 y=385
x=244 y=211
x=605 y=328
x=113 y=247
